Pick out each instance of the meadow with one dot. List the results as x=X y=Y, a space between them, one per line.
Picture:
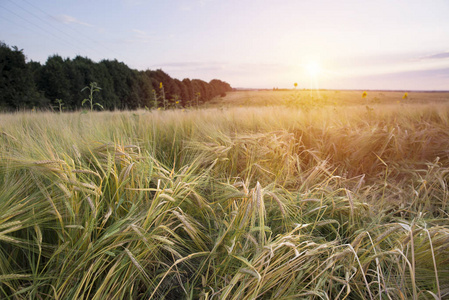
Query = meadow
x=260 y=194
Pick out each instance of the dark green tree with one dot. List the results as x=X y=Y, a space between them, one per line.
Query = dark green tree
x=61 y=80
x=202 y=87
x=17 y=86
x=189 y=90
x=54 y=81
x=183 y=92
x=145 y=91
x=125 y=83
x=219 y=87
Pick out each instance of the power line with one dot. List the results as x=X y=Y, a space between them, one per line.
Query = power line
x=51 y=25
x=75 y=31
x=20 y=25
x=43 y=29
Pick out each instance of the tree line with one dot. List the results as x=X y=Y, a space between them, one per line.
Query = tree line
x=60 y=81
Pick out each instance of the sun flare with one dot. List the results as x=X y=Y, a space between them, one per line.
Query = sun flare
x=313 y=68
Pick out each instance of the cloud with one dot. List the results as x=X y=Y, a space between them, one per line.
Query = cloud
x=70 y=20
x=441 y=55
x=140 y=32
x=203 y=2
x=234 y=68
x=132 y=2
x=430 y=73
x=191 y=5
x=432 y=79
x=140 y=36
x=191 y=66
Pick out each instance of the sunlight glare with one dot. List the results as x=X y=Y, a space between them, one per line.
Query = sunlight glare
x=313 y=68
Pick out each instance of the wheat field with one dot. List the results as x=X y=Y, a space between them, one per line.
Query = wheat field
x=256 y=195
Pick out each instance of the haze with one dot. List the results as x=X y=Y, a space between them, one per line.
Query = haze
x=402 y=45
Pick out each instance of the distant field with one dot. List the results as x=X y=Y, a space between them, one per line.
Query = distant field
x=262 y=98
x=261 y=195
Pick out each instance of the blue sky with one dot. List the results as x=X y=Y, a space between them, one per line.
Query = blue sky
x=260 y=44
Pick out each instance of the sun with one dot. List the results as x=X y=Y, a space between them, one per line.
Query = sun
x=313 y=68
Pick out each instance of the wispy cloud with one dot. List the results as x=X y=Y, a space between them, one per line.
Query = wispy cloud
x=191 y=5
x=141 y=36
x=441 y=55
x=435 y=79
x=237 y=66
x=249 y=74
x=133 y=2
x=203 y=2
x=192 y=66
x=140 y=32
x=70 y=20
x=185 y=7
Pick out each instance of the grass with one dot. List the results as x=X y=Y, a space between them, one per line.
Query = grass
x=285 y=202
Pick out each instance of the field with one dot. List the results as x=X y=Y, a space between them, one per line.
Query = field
x=267 y=195
x=331 y=97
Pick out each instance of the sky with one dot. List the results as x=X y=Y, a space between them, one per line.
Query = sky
x=382 y=44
